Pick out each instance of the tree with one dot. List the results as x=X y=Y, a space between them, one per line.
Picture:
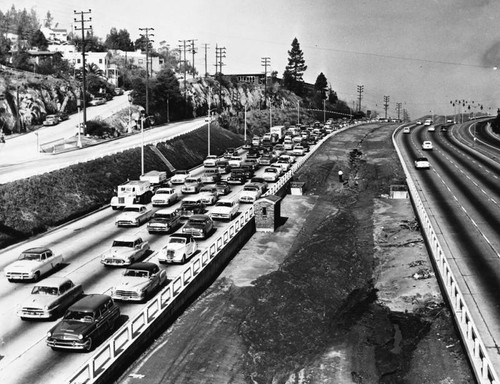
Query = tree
x=292 y=77
x=48 y=20
x=119 y=40
x=321 y=83
x=38 y=40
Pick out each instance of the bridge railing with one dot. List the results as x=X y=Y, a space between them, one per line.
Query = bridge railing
x=476 y=350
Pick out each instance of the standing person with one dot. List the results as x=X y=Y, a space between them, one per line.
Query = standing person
x=341 y=176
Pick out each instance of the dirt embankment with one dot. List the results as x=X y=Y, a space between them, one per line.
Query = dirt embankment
x=342 y=292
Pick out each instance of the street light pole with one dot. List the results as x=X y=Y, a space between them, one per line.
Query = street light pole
x=79 y=142
x=298 y=112
x=209 y=121
x=142 y=145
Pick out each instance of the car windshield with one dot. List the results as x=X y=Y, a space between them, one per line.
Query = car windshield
x=271 y=170
x=196 y=224
x=163 y=192
x=41 y=290
x=85 y=317
x=177 y=240
x=29 y=256
x=181 y=172
x=136 y=273
x=131 y=209
x=162 y=216
x=119 y=243
x=223 y=204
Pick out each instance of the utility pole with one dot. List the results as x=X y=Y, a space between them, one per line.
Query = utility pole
x=386 y=104
x=146 y=35
x=84 y=78
x=183 y=49
x=361 y=89
x=398 y=109
x=206 y=70
x=265 y=62
x=220 y=53
x=192 y=49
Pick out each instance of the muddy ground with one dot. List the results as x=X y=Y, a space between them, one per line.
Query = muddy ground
x=342 y=292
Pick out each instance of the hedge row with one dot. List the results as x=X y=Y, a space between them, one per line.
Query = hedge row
x=35 y=204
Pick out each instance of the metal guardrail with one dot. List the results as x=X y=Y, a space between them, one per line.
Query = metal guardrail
x=476 y=350
x=111 y=350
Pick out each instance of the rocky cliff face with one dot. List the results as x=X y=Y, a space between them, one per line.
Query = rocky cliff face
x=33 y=97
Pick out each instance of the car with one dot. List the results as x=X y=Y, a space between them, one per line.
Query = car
x=208 y=195
x=422 y=163
x=62 y=116
x=284 y=165
x=225 y=209
x=134 y=215
x=229 y=152
x=444 y=128
x=98 y=101
x=287 y=158
x=235 y=161
x=298 y=150
x=427 y=145
x=179 y=248
x=250 y=193
x=259 y=181
x=431 y=128
x=191 y=185
x=180 y=176
x=50 y=298
x=33 y=263
x=406 y=130
x=267 y=160
x=223 y=188
x=210 y=161
x=199 y=226
x=139 y=281
x=125 y=250
x=119 y=91
x=271 y=174
x=450 y=121
x=223 y=166
x=279 y=149
x=191 y=206
x=164 y=220
x=428 y=122
x=51 y=120
x=237 y=176
x=210 y=176
x=84 y=323
x=419 y=122
x=164 y=197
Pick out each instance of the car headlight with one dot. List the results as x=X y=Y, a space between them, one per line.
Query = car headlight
x=49 y=334
x=80 y=337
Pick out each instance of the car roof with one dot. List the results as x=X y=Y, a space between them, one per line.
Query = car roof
x=36 y=250
x=182 y=235
x=199 y=217
x=53 y=281
x=127 y=238
x=166 y=210
x=89 y=303
x=144 y=266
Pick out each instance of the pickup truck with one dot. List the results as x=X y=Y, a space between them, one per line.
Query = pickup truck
x=125 y=251
x=33 y=263
x=134 y=215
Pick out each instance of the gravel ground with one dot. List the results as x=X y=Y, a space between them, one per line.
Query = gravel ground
x=342 y=292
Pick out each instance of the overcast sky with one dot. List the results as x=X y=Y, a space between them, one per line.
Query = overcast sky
x=422 y=54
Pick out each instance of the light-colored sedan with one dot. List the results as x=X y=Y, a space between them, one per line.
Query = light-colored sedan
x=139 y=281
x=180 y=176
x=50 y=298
x=125 y=250
x=422 y=163
x=134 y=215
x=191 y=185
x=179 y=248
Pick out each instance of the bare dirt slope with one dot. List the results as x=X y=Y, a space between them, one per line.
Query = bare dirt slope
x=342 y=292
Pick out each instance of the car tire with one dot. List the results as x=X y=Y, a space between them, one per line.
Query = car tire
x=183 y=260
x=37 y=276
x=90 y=345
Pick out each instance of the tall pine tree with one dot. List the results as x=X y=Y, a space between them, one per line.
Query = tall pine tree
x=292 y=77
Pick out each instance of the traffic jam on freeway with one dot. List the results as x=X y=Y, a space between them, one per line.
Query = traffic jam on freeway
x=159 y=223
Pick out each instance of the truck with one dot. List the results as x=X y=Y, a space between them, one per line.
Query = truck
x=132 y=192
x=156 y=179
x=279 y=130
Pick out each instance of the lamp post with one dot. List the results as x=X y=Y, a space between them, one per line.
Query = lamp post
x=298 y=112
x=129 y=111
x=143 y=118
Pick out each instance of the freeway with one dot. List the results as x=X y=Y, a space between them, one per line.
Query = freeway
x=20 y=158
x=460 y=192
x=81 y=243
